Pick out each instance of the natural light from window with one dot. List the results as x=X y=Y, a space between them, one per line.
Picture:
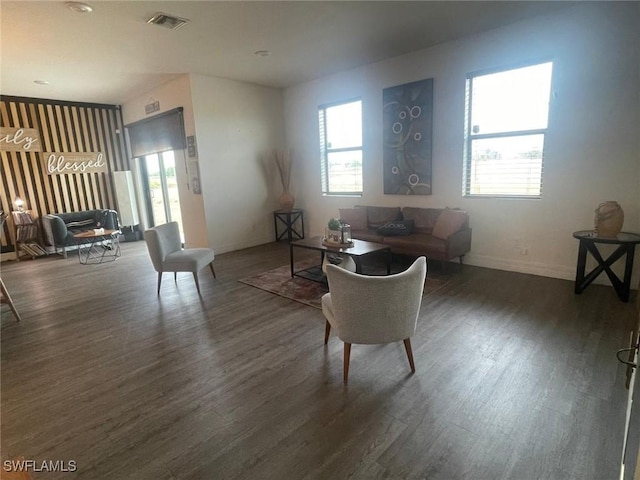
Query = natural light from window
x=341 y=148
x=507 y=115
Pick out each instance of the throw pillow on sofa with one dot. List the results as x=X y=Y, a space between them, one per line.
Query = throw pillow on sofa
x=378 y=216
x=448 y=223
x=356 y=217
x=396 y=228
x=81 y=223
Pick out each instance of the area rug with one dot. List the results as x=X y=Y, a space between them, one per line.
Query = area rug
x=279 y=282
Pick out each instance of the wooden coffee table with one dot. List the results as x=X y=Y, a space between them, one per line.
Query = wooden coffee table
x=96 y=248
x=359 y=250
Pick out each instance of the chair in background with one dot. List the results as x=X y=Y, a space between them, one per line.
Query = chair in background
x=167 y=254
x=6 y=298
x=374 y=309
x=4 y=294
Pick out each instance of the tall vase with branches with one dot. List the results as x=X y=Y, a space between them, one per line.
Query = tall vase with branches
x=282 y=159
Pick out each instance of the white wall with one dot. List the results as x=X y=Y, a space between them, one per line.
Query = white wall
x=236 y=125
x=173 y=94
x=592 y=148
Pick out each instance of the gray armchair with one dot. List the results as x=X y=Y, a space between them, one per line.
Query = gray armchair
x=167 y=255
x=374 y=309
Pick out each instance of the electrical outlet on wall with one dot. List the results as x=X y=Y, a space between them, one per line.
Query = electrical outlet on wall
x=517 y=243
x=520 y=246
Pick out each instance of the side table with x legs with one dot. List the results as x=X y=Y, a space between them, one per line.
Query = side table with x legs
x=626 y=246
x=293 y=222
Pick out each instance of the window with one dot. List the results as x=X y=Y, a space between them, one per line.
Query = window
x=506 y=121
x=161 y=189
x=159 y=133
x=153 y=142
x=341 y=148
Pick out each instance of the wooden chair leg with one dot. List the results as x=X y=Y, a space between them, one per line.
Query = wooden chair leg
x=159 y=281
x=407 y=347
x=7 y=298
x=347 y=356
x=327 y=329
x=195 y=277
x=212 y=270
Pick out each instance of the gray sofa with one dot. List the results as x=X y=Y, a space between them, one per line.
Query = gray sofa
x=59 y=228
x=438 y=233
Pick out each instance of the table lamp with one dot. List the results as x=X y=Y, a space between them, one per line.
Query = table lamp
x=19 y=204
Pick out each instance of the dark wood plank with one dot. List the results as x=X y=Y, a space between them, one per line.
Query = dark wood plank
x=515 y=377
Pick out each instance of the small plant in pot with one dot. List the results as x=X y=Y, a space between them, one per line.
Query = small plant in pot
x=332 y=234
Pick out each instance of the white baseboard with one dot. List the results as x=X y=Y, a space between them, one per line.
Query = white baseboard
x=532 y=268
x=249 y=242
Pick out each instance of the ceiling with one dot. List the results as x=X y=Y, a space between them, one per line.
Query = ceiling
x=112 y=55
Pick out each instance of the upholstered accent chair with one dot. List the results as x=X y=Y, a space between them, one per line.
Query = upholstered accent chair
x=167 y=254
x=374 y=309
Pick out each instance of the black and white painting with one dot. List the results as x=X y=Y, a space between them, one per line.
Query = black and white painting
x=407 y=123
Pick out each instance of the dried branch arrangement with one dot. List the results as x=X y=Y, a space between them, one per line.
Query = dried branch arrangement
x=282 y=159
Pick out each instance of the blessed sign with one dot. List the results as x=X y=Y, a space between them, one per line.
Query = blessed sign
x=66 y=162
x=20 y=139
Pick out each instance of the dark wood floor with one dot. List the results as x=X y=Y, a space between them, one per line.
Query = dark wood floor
x=516 y=378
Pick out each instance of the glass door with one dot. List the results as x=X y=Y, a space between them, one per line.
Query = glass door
x=161 y=189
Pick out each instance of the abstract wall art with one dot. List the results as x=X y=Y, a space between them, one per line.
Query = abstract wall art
x=407 y=128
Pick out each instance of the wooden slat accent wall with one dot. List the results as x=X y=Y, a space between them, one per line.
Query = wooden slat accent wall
x=64 y=127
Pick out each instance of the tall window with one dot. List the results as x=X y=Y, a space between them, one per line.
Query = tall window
x=506 y=121
x=161 y=189
x=154 y=141
x=341 y=148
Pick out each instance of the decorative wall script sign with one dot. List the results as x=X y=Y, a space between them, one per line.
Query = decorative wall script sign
x=20 y=139
x=73 y=162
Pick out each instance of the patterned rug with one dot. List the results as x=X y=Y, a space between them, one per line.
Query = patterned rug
x=305 y=291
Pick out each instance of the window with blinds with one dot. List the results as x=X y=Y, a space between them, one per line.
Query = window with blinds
x=506 y=120
x=160 y=133
x=341 y=148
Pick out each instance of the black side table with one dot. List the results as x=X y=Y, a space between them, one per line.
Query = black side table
x=626 y=246
x=289 y=220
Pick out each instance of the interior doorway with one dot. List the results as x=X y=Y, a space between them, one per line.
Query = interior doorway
x=161 y=189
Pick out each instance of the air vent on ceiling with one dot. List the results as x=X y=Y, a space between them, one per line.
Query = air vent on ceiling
x=167 y=21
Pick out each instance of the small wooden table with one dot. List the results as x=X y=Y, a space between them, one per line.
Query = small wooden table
x=94 y=248
x=360 y=249
x=626 y=246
